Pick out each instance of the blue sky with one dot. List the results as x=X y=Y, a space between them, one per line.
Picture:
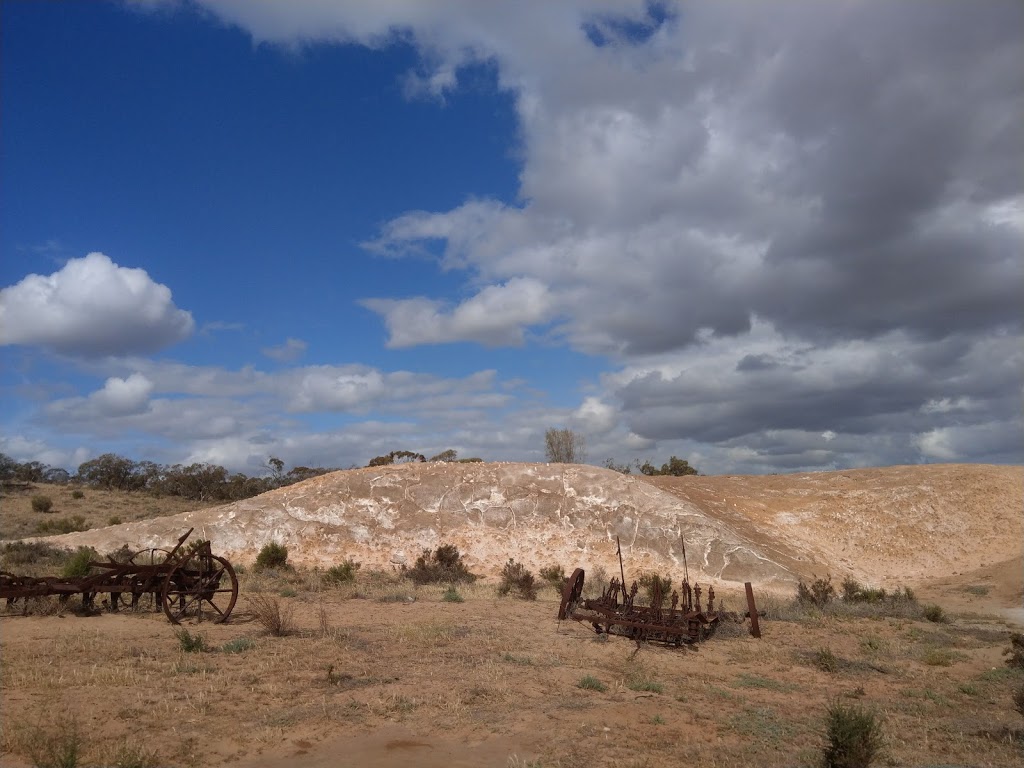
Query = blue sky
x=761 y=240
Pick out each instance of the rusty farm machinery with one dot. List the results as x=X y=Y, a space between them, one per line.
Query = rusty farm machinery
x=669 y=620
x=187 y=584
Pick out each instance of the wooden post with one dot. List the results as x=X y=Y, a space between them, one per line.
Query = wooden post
x=755 y=628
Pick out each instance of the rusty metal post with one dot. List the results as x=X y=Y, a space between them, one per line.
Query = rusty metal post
x=755 y=627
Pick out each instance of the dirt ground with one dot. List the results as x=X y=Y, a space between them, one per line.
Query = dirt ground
x=387 y=674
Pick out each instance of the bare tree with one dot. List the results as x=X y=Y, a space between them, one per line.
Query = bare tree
x=563 y=446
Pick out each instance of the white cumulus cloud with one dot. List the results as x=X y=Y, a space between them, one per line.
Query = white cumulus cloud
x=122 y=397
x=92 y=307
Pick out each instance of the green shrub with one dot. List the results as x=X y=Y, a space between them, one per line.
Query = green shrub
x=516 y=578
x=443 y=566
x=114 y=520
x=648 y=582
x=553 y=576
x=272 y=556
x=1018 y=700
x=451 y=595
x=826 y=661
x=77 y=565
x=934 y=613
x=854 y=737
x=288 y=592
x=18 y=553
x=77 y=494
x=63 y=525
x=591 y=683
x=42 y=504
x=190 y=643
x=343 y=573
x=937 y=657
x=820 y=592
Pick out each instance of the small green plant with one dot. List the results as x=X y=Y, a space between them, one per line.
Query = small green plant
x=190 y=643
x=825 y=660
x=968 y=689
x=819 y=592
x=343 y=573
x=288 y=592
x=934 y=613
x=854 y=737
x=42 y=504
x=553 y=576
x=591 y=683
x=78 y=564
x=78 y=494
x=114 y=520
x=451 y=595
x=272 y=556
x=657 y=720
x=516 y=578
x=238 y=645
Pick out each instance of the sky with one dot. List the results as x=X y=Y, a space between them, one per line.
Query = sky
x=764 y=237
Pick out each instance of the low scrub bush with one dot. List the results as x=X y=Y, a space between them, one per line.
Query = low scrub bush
x=826 y=661
x=278 y=620
x=343 y=573
x=819 y=592
x=63 y=525
x=516 y=579
x=554 y=577
x=190 y=643
x=649 y=581
x=273 y=556
x=42 y=504
x=78 y=564
x=58 y=746
x=1015 y=653
x=442 y=566
x=595 y=581
x=1018 y=700
x=114 y=520
x=238 y=645
x=934 y=613
x=17 y=553
x=854 y=736
x=451 y=595
x=78 y=494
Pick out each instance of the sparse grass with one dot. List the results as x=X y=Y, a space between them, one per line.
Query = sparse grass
x=288 y=592
x=746 y=680
x=56 y=746
x=979 y=590
x=516 y=579
x=854 y=736
x=937 y=657
x=591 y=683
x=761 y=723
x=278 y=620
x=238 y=645
x=131 y=755
x=62 y=525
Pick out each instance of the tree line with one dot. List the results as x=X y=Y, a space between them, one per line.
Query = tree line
x=212 y=482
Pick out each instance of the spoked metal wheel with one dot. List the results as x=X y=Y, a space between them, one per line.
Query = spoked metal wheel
x=200 y=586
x=571 y=594
x=147 y=582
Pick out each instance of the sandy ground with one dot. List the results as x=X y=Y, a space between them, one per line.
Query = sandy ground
x=369 y=677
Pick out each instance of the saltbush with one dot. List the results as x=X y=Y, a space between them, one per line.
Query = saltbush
x=442 y=566
x=272 y=556
x=343 y=573
x=42 y=504
x=554 y=577
x=516 y=578
x=819 y=592
x=854 y=737
x=78 y=564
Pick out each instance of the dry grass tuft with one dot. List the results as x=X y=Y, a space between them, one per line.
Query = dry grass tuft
x=277 y=619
